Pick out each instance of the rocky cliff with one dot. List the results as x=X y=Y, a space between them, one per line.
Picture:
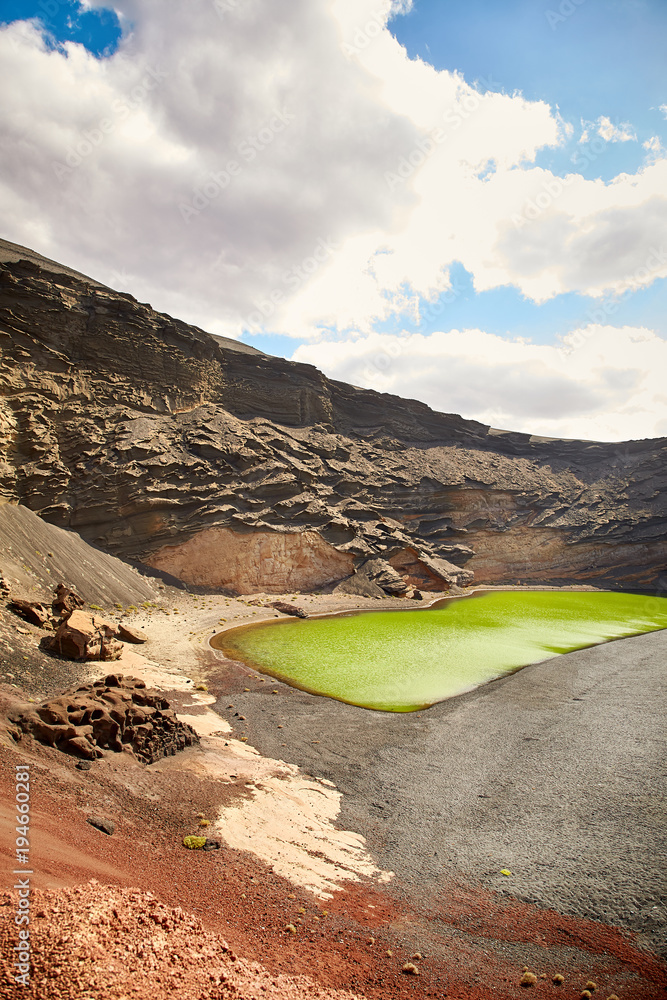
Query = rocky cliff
x=230 y=468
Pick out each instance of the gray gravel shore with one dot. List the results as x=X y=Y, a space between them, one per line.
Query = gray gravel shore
x=555 y=773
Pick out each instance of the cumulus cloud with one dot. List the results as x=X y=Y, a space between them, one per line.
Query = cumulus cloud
x=205 y=158
x=283 y=164
x=607 y=130
x=599 y=383
x=654 y=148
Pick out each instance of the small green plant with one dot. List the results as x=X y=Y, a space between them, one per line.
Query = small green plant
x=194 y=843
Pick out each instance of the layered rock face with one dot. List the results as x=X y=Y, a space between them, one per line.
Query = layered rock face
x=230 y=468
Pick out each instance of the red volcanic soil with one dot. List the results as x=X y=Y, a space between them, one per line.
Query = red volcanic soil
x=210 y=916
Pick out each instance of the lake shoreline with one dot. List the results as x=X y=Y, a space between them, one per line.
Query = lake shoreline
x=392 y=775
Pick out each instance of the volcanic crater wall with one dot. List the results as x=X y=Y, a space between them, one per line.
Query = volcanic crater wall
x=209 y=459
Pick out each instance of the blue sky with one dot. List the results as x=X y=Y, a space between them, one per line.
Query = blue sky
x=123 y=122
x=605 y=58
x=98 y=30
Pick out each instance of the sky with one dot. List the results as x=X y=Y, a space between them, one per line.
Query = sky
x=464 y=204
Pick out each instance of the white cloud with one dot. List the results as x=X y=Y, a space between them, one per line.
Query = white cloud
x=99 y=156
x=623 y=132
x=285 y=160
x=600 y=383
x=607 y=130
x=654 y=147
x=663 y=108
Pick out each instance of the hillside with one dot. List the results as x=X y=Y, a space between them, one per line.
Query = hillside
x=230 y=468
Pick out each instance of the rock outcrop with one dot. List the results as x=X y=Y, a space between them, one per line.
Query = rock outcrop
x=31 y=611
x=81 y=636
x=229 y=468
x=117 y=713
x=66 y=600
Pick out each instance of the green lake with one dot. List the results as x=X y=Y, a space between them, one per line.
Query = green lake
x=401 y=661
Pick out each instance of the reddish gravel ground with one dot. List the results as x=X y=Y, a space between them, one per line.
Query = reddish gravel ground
x=112 y=940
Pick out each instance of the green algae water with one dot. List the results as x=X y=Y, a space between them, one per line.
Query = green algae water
x=401 y=661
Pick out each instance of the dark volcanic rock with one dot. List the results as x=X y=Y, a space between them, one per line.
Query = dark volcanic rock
x=105 y=825
x=379 y=572
x=117 y=713
x=288 y=609
x=227 y=467
x=211 y=845
x=358 y=585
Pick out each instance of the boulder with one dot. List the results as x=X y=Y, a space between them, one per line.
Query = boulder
x=30 y=611
x=358 y=585
x=117 y=713
x=85 y=637
x=288 y=609
x=384 y=576
x=129 y=634
x=66 y=600
x=451 y=575
x=211 y=845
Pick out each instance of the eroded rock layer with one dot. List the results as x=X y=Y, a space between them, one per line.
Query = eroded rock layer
x=231 y=468
x=115 y=713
